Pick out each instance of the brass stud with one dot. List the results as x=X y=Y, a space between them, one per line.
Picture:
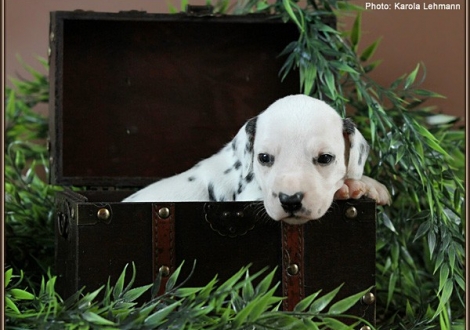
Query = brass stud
x=52 y=36
x=164 y=212
x=351 y=212
x=293 y=269
x=366 y=327
x=368 y=298
x=239 y=214
x=103 y=214
x=164 y=270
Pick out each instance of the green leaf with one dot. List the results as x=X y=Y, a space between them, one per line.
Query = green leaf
x=370 y=50
x=170 y=284
x=96 y=319
x=242 y=315
x=428 y=94
x=320 y=304
x=326 y=28
x=388 y=223
x=343 y=67
x=264 y=285
x=335 y=324
x=460 y=282
x=431 y=140
x=444 y=298
x=187 y=292
x=422 y=229
x=134 y=294
x=391 y=286
x=410 y=312
x=452 y=255
x=397 y=82
x=120 y=284
x=405 y=254
x=229 y=284
x=263 y=303
x=439 y=261
x=288 y=7
x=20 y=159
x=431 y=242
x=372 y=66
x=260 y=6
x=308 y=76
x=443 y=276
x=21 y=294
x=206 y=291
x=171 y=9
x=345 y=304
x=131 y=281
x=158 y=317
x=184 y=5
x=309 y=324
x=395 y=254
x=10 y=304
x=8 y=274
x=247 y=290
x=356 y=31
x=88 y=298
x=411 y=77
x=330 y=83
x=306 y=302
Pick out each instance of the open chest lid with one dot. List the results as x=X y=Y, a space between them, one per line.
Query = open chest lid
x=135 y=97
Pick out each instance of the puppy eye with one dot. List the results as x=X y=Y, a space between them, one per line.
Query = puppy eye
x=324 y=159
x=266 y=159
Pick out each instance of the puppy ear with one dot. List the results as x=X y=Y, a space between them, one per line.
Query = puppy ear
x=242 y=146
x=356 y=150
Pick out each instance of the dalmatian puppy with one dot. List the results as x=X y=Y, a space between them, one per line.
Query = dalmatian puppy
x=296 y=156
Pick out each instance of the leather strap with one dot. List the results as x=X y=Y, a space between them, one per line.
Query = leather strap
x=292 y=265
x=163 y=242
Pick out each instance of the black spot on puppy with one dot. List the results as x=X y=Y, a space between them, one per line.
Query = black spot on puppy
x=250 y=130
x=249 y=177
x=240 y=188
x=210 y=190
x=364 y=149
x=191 y=179
x=237 y=165
x=227 y=171
x=234 y=144
x=348 y=126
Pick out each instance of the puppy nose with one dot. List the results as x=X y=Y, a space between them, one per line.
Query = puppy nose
x=291 y=203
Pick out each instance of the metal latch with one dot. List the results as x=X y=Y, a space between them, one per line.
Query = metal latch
x=231 y=219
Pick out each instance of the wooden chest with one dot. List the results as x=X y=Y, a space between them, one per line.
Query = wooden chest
x=136 y=97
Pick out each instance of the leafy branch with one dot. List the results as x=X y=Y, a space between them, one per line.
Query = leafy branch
x=415 y=152
x=235 y=304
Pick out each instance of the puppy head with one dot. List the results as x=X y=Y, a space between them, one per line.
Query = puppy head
x=299 y=157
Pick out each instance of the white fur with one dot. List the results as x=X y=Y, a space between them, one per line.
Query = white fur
x=296 y=130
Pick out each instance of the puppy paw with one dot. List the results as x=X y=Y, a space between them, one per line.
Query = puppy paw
x=364 y=187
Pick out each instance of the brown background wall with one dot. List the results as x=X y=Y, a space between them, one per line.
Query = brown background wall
x=435 y=38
